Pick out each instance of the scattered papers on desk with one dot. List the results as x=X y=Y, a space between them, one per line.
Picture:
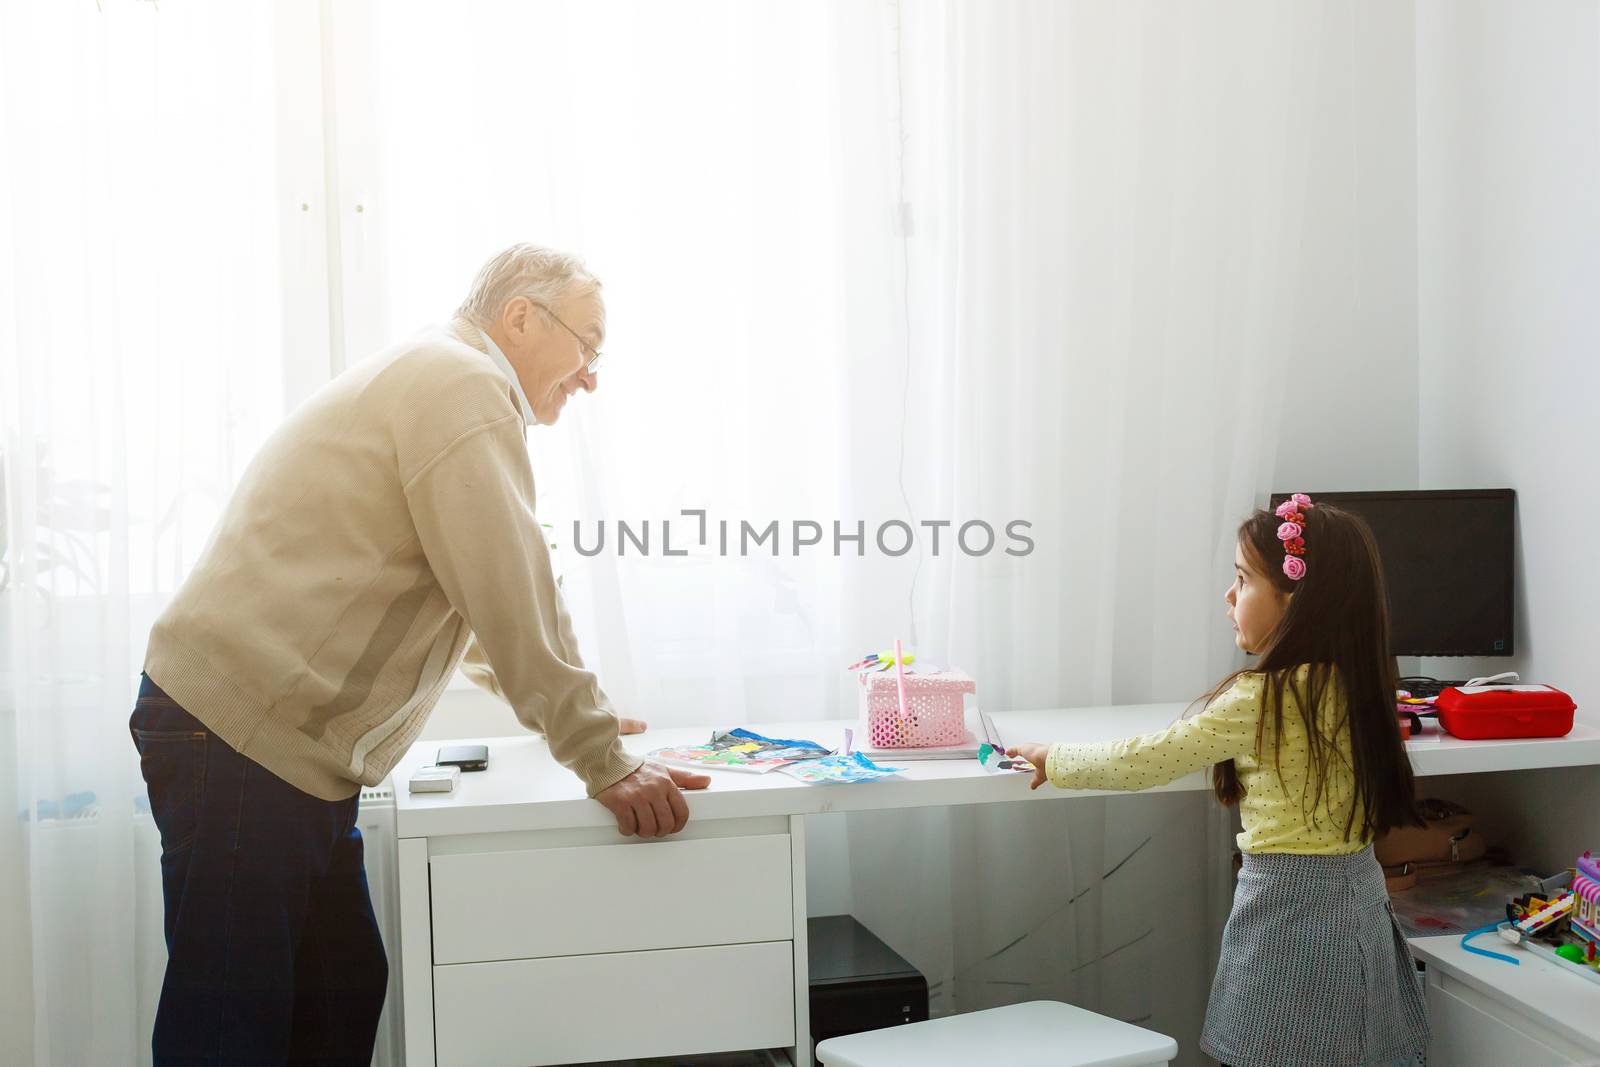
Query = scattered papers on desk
x=833 y=770
x=741 y=750
x=806 y=761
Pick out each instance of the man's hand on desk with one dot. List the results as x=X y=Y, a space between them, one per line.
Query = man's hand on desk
x=1035 y=754
x=649 y=802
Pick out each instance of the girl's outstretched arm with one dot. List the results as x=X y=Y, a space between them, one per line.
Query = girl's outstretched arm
x=1225 y=729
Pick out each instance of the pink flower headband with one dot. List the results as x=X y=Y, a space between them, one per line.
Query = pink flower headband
x=1292 y=534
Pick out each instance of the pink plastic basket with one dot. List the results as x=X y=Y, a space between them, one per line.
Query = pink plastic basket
x=934 y=711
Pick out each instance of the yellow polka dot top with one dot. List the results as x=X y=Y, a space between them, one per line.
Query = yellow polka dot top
x=1277 y=813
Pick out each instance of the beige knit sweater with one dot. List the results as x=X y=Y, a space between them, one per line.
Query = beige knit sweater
x=385 y=531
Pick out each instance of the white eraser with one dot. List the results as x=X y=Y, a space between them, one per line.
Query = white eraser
x=435 y=779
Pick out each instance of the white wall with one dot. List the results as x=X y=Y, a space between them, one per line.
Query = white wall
x=465 y=710
x=1508 y=115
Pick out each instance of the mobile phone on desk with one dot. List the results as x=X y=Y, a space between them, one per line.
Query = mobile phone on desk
x=467 y=757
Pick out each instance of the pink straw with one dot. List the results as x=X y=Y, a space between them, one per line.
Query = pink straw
x=900 y=677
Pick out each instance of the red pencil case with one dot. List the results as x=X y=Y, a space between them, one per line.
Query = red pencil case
x=1484 y=712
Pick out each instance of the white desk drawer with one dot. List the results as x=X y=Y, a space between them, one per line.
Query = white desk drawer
x=1470 y=1030
x=531 y=903
x=679 y=1002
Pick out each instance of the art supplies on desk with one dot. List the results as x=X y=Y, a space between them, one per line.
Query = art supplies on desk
x=888 y=659
x=741 y=750
x=995 y=760
x=1411 y=709
x=838 y=770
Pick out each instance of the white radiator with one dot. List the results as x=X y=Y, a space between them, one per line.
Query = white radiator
x=376 y=820
x=76 y=935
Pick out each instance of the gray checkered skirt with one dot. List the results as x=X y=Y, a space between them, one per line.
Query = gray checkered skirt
x=1314 y=970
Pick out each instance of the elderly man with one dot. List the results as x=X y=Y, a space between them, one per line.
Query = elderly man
x=383 y=535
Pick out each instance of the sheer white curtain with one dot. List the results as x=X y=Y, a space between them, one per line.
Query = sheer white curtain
x=690 y=152
x=139 y=366
x=1108 y=275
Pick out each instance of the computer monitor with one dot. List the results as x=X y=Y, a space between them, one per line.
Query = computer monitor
x=1447 y=560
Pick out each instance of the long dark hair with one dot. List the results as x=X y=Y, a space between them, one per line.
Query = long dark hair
x=1337 y=622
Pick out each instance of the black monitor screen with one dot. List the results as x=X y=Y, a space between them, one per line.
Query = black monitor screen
x=1447 y=559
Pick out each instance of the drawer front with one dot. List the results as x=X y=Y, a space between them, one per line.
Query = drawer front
x=1463 y=1035
x=533 y=903
x=610 y=898
x=678 y=1002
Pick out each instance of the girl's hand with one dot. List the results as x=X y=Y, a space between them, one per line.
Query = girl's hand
x=1035 y=754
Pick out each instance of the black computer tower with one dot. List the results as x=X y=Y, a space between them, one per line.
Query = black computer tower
x=857 y=982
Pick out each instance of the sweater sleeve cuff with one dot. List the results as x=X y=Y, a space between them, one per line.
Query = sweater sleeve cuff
x=1057 y=765
x=609 y=768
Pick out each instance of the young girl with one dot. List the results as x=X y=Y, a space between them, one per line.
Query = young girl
x=1314 y=970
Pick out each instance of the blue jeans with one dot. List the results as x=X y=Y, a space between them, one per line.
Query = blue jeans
x=273 y=953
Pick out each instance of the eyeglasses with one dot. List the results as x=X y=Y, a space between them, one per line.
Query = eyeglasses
x=590 y=351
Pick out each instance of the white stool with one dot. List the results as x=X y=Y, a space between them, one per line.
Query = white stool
x=1041 y=1031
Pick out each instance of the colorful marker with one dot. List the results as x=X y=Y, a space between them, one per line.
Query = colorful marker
x=900 y=677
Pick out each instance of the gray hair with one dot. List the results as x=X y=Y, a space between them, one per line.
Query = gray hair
x=542 y=275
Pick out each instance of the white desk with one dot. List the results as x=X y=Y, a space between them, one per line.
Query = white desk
x=518 y=900
x=1487 y=1013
